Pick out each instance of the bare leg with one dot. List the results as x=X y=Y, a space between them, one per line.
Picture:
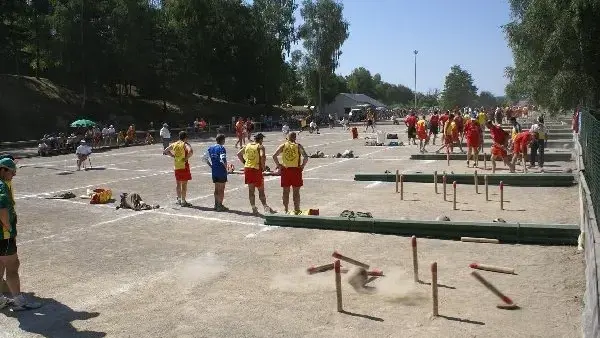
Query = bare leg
x=221 y=188
x=13 y=281
x=178 y=190
x=296 y=197
x=286 y=198
x=251 y=195
x=183 y=190
x=262 y=196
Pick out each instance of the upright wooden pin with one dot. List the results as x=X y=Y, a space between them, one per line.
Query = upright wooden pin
x=435 y=181
x=397 y=180
x=402 y=187
x=444 y=185
x=484 y=161
x=338 y=285
x=454 y=195
x=487 y=193
x=501 y=195
x=434 y=288
x=476 y=179
x=413 y=242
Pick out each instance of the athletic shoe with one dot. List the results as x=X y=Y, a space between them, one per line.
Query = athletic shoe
x=21 y=304
x=221 y=208
x=186 y=204
x=269 y=210
x=4 y=302
x=255 y=211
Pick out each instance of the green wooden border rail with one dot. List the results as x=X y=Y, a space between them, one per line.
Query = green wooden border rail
x=515 y=179
x=524 y=233
x=548 y=157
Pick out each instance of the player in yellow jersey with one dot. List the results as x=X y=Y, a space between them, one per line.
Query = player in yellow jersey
x=253 y=156
x=294 y=159
x=181 y=151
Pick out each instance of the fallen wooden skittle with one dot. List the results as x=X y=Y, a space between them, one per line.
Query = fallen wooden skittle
x=492 y=268
x=479 y=240
x=376 y=272
x=338 y=255
x=321 y=268
x=492 y=288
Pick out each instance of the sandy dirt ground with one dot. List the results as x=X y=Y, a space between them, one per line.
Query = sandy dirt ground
x=193 y=272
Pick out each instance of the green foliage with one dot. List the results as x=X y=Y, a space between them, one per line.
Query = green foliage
x=554 y=44
x=155 y=48
x=487 y=99
x=323 y=32
x=459 y=89
x=360 y=81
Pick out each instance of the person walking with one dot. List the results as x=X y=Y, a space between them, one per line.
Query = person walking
x=181 y=151
x=216 y=158
x=253 y=156
x=294 y=159
x=9 y=259
x=165 y=135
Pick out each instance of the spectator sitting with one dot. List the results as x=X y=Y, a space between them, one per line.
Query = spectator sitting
x=82 y=152
x=149 y=138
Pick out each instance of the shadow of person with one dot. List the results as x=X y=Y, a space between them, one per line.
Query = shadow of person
x=53 y=319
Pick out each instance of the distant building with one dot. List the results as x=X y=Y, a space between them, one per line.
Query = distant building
x=344 y=102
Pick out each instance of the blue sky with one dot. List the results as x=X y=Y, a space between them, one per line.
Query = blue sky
x=384 y=34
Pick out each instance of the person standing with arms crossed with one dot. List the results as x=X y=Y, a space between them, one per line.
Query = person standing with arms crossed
x=216 y=158
x=181 y=151
x=291 y=170
x=254 y=157
x=9 y=259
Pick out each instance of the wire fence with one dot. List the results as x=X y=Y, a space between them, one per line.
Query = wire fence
x=589 y=138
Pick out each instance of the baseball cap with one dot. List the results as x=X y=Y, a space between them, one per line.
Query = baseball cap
x=8 y=164
x=3 y=156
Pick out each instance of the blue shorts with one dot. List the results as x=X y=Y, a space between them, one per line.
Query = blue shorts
x=219 y=179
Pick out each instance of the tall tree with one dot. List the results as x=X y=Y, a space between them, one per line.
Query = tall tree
x=360 y=81
x=459 y=89
x=487 y=99
x=323 y=32
x=555 y=52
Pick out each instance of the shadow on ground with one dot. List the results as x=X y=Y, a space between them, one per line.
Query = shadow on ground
x=53 y=320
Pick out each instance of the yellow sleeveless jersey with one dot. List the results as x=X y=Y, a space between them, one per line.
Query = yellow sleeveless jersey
x=481 y=118
x=252 y=156
x=179 y=153
x=291 y=155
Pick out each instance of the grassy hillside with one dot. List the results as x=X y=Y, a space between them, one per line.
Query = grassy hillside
x=30 y=107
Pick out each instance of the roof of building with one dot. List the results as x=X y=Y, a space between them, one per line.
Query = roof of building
x=362 y=98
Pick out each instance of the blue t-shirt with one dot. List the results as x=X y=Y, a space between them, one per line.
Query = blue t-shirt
x=218 y=159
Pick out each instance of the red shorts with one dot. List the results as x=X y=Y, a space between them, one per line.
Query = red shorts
x=291 y=177
x=254 y=177
x=422 y=135
x=519 y=148
x=473 y=141
x=183 y=174
x=448 y=140
x=498 y=152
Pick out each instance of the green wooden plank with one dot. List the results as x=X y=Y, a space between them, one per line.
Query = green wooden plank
x=516 y=179
x=548 y=157
x=548 y=234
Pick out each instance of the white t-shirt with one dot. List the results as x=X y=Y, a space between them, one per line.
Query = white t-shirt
x=165 y=133
x=313 y=124
x=540 y=129
x=83 y=149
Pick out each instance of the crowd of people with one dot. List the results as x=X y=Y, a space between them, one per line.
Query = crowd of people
x=469 y=124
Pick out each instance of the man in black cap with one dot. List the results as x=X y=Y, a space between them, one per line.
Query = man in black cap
x=253 y=156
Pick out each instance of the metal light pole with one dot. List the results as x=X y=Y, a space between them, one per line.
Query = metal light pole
x=416 y=52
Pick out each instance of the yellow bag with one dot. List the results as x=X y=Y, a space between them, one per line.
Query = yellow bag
x=101 y=196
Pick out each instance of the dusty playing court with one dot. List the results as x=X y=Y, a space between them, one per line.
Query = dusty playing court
x=193 y=272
